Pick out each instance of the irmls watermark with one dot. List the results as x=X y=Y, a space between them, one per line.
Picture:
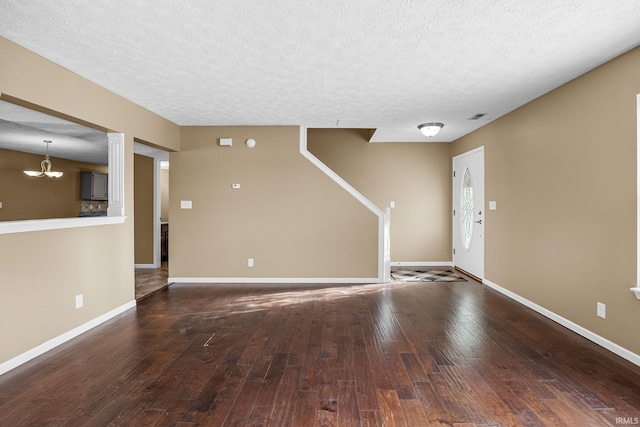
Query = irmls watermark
x=628 y=421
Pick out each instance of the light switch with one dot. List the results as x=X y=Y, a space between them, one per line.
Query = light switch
x=0 y=205
x=235 y=186
x=392 y=205
x=492 y=205
x=186 y=204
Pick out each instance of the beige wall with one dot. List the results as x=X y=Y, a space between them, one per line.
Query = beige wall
x=25 y=197
x=42 y=272
x=416 y=176
x=290 y=217
x=562 y=170
x=143 y=207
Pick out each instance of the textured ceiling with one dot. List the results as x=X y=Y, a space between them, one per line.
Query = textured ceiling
x=388 y=65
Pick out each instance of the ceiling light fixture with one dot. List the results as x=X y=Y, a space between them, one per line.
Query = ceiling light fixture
x=45 y=165
x=430 y=129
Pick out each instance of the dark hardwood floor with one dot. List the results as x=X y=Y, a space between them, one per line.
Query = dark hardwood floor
x=404 y=354
x=149 y=280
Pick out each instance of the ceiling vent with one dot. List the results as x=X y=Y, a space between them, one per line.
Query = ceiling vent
x=477 y=116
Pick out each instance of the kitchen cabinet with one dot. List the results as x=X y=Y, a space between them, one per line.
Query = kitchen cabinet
x=94 y=186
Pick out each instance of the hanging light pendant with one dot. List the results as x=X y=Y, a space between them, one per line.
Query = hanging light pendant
x=45 y=166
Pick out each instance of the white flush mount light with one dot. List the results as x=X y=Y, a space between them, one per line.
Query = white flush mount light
x=45 y=166
x=251 y=142
x=430 y=129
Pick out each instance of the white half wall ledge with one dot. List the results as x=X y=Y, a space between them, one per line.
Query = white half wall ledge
x=636 y=291
x=591 y=336
x=8 y=227
x=272 y=280
x=61 y=339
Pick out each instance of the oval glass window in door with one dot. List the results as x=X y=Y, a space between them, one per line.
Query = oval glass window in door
x=466 y=219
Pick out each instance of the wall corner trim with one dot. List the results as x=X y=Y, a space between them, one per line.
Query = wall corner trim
x=61 y=339
x=383 y=217
x=601 y=341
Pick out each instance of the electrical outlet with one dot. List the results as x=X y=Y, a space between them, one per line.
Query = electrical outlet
x=250 y=263
x=79 y=301
x=601 y=310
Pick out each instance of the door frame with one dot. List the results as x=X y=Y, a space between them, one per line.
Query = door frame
x=158 y=157
x=453 y=205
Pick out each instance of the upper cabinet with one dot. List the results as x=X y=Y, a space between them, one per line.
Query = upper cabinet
x=94 y=186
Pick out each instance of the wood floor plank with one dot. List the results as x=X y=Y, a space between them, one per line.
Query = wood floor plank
x=348 y=413
x=217 y=415
x=572 y=411
x=399 y=377
x=448 y=398
x=306 y=405
x=371 y=419
x=300 y=344
x=436 y=412
x=327 y=414
x=379 y=368
x=243 y=405
x=365 y=387
x=345 y=361
x=329 y=348
x=414 y=413
x=327 y=379
x=468 y=388
x=266 y=400
x=284 y=407
x=308 y=376
x=391 y=409
x=413 y=367
x=438 y=354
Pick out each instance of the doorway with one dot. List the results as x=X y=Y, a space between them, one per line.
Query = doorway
x=468 y=212
x=151 y=219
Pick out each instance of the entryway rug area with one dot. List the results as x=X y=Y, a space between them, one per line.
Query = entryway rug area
x=426 y=276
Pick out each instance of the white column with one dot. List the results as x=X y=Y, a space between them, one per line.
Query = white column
x=116 y=174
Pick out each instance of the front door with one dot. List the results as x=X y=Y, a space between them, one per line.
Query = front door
x=468 y=212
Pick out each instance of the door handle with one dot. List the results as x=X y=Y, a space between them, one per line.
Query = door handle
x=478 y=222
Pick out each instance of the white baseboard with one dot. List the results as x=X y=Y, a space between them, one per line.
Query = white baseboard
x=270 y=280
x=423 y=264
x=145 y=266
x=61 y=339
x=603 y=342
